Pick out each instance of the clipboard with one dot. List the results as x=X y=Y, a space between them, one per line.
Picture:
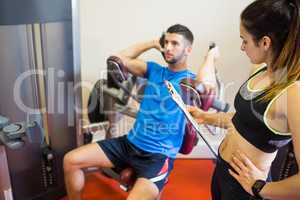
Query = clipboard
x=178 y=100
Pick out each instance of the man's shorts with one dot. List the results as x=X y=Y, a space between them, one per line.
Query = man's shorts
x=153 y=166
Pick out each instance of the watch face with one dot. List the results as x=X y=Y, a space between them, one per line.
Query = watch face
x=257 y=186
x=259 y=183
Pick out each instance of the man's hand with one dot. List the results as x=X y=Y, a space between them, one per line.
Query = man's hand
x=156 y=45
x=209 y=88
x=214 y=53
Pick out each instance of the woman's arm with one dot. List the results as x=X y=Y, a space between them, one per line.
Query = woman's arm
x=220 y=119
x=290 y=187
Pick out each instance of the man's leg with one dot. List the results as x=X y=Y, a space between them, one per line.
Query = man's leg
x=77 y=159
x=153 y=172
x=143 y=189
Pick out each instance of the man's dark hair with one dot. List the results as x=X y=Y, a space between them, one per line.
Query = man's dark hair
x=182 y=30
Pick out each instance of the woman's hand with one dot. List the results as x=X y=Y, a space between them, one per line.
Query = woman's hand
x=246 y=172
x=197 y=113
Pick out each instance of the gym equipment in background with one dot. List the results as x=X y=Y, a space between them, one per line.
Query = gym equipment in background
x=285 y=163
x=39 y=67
x=11 y=134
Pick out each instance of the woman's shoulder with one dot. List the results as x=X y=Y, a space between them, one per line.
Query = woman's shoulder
x=294 y=88
x=293 y=95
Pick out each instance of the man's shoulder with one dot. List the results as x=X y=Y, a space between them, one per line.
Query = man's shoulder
x=154 y=67
x=154 y=64
x=190 y=74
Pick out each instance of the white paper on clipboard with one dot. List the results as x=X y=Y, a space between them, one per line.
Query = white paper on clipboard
x=178 y=100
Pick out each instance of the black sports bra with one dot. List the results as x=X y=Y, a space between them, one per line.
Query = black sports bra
x=249 y=120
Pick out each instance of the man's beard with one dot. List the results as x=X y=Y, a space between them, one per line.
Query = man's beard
x=174 y=60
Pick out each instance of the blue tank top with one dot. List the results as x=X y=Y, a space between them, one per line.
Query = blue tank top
x=160 y=124
x=249 y=120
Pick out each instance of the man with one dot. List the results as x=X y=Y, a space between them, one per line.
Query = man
x=151 y=145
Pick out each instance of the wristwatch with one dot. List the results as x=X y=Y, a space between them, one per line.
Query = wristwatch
x=257 y=187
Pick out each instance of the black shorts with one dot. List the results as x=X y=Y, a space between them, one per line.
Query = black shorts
x=153 y=166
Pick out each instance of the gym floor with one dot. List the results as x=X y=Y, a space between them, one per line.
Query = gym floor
x=190 y=179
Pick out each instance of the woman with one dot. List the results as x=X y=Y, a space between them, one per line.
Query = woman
x=267 y=106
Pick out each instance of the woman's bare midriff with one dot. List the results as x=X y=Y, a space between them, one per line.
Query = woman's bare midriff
x=234 y=141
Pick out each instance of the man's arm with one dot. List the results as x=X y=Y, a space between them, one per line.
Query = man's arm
x=129 y=56
x=206 y=73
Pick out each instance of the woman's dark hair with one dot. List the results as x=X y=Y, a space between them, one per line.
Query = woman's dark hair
x=279 y=20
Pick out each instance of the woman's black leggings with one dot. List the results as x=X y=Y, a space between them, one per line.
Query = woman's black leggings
x=224 y=186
